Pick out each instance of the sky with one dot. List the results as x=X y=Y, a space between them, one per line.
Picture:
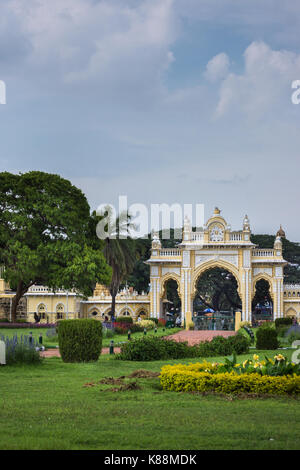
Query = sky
x=165 y=101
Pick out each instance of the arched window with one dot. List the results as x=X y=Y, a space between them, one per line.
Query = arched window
x=42 y=311
x=60 y=310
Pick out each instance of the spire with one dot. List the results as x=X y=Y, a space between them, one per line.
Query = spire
x=281 y=232
x=246 y=223
x=156 y=243
x=187 y=228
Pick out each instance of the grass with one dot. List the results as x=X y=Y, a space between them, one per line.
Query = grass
x=48 y=407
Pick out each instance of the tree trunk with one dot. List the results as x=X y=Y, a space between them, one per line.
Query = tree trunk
x=21 y=290
x=15 y=301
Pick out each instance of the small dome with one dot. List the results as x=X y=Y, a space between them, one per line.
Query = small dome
x=217 y=211
x=281 y=232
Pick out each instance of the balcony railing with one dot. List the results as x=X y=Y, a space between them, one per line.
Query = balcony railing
x=197 y=236
x=170 y=252
x=236 y=236
x=263 y=253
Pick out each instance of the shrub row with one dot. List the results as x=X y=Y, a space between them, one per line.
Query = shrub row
x=80 y=340
x=181 y=379
x=283 y=321
x=152 y=348
x=124 y=319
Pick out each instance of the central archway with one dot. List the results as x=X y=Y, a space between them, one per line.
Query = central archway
x=262 y=302
x=215 y=298
x=170 y=299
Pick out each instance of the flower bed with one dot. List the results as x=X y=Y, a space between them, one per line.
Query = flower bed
x=249 y=377
x=27 y=325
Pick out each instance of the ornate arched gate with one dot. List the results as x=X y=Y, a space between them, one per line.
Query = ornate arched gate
x=216 y=245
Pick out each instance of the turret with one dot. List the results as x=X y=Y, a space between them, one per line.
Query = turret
x=278 y=246
x=156 y=243
x=187 y=229
x=280 y=233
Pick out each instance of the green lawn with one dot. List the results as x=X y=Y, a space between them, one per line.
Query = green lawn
x=47 y=407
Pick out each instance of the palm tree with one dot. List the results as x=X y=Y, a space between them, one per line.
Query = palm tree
x=119 y=253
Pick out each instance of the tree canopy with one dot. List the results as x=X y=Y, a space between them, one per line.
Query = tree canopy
x=46 y=235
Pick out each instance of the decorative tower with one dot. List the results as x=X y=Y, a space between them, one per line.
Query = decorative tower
x=278 y=245
x=246 y=228
x=156 y=244
x=187 y=229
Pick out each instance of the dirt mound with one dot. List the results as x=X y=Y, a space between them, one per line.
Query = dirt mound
x=126 y=387
x=111 y=381
x=143 y=374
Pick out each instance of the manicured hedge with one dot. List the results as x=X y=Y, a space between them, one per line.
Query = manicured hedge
x=181 y=379
x=150 y=348
x=266 y=338
x=286 y=321
x=124 y=319
x=80 y=340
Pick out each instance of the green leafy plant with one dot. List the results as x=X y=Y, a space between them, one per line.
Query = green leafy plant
x=80 y=340
x=266 y=338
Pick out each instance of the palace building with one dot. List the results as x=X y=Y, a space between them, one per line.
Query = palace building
x=215 y=245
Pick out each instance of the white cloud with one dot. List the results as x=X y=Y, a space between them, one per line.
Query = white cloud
x=265 y=84
x=217 y=67
x=116 y=46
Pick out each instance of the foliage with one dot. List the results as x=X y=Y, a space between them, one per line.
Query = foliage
x=124 y=319
x=191 y=326
x=21 y=350
x=293 y=336
x=266 y=338
x=27 y=325
x=285 y=321
x=151 y=348
x=217 y=289
x=245 y=323
x=278 y=366
x=119 y=248
x=180 y=378
x=249 y=333
x=290 y=251
x=148 y=324
x=239 y=343
x=45 y=237
x=80 y=340
x=108 y=333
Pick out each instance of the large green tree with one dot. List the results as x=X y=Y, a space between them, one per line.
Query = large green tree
x=46 y=235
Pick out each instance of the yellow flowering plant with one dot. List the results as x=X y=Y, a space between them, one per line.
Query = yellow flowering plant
x=280 y=366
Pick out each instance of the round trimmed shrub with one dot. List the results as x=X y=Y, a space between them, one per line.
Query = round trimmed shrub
x=266 y=338
x=220 y=346
x=80 y=340
x=239 y=343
